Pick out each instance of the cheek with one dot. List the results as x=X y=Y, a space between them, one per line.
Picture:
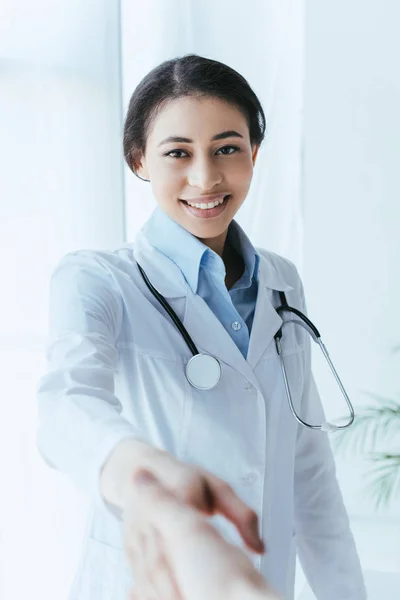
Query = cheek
x=240 y=172
x=167 y=179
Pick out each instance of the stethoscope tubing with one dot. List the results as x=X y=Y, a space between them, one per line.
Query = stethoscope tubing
x=304 y=322
x=183 y=331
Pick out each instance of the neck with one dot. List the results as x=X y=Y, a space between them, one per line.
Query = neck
x=217 y=244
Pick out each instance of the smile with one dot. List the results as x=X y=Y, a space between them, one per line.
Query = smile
x=207 y=210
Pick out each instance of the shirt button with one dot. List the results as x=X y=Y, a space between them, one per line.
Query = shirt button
x=236 y=325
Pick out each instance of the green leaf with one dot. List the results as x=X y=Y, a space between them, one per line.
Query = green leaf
x=372 y=425
x=383 y=481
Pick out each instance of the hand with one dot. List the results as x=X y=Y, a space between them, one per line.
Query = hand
x=177 y=555
x=201 y=490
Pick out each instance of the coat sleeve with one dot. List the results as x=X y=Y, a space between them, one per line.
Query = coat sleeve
x=325 y=544
x=79 y=415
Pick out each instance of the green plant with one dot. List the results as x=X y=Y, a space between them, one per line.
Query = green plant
x=373 y=426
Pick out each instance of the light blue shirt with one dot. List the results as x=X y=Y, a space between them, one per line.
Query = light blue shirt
x=204 y=270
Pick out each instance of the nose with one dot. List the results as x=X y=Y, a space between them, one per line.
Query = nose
x=204 y=174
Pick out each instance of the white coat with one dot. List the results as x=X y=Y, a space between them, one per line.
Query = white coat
x=116 y=370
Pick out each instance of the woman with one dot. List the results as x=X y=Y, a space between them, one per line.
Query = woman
x=118 y=395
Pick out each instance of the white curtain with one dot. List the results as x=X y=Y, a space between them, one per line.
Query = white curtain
x=64 y=187
x=61 y=188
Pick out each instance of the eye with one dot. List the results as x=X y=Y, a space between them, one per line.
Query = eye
x=175 y=153
x=227 y=150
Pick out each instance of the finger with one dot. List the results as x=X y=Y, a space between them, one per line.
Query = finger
x=155 y=575
x=141 y=590
x=161 y=575
x=203 y=559
x=144 y=589
x=160 y=507
x=155 y=578
x=211 y=495
x=238 y=512
x=193 y=546
x=197 y=493
x=134 y=542
x=224 y=500
x=139 y=551
x=174 y=519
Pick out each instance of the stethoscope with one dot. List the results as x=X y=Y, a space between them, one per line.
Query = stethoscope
x=204 y=371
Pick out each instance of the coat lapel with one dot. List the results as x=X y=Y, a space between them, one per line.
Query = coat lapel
x=266 y=321
x=162 y=272
x=203 y=326
x=206 y=331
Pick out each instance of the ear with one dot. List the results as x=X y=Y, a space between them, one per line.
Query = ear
x=255 y=149
x=139 y=165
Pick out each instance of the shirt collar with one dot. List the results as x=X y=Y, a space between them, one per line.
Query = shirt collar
x=189 y=253
x=242 y=244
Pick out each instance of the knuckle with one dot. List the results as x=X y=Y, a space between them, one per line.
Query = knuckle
x=189 y=481
x=250 y=515
x=131 y=554
x=225 y=487
x=189 y=493
x=190 y=473
x=158 y=495
x=129 y=546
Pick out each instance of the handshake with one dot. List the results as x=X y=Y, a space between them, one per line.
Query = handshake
x=176 y=554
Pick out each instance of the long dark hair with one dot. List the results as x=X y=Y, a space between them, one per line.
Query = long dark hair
x=190 y=75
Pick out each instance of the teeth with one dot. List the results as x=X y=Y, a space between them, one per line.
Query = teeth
x=207 y=206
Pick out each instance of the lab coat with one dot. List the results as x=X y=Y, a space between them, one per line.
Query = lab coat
x=116 y=369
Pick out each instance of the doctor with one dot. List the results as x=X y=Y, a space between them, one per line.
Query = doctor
x=116 y=396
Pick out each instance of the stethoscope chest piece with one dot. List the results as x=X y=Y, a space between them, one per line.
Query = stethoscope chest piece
x=203 y=371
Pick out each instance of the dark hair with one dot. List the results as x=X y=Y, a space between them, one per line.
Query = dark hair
x=190 y=75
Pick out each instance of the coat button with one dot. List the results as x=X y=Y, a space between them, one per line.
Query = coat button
x=250 y=477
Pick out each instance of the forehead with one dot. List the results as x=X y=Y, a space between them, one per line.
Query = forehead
x=198 y=118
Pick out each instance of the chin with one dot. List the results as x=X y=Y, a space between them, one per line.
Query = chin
x=206 y=230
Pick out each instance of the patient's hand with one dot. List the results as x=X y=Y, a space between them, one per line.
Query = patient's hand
x=176 y=554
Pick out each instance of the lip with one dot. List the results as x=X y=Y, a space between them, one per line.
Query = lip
x=208 y=213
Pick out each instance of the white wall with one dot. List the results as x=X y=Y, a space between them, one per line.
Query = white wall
x=352 y=218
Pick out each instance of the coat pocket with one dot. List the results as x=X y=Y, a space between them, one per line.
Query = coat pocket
x=103 y=573
x=153 y=393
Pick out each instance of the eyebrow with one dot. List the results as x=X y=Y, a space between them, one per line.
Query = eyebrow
x=220 y=136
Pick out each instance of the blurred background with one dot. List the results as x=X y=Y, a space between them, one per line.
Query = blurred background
x=325 y=194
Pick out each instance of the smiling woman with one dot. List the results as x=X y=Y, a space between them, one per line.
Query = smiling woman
x=197 y=125
x=125 y=390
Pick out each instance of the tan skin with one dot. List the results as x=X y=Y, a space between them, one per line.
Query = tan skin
x=200 y=167
x=178 y=555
